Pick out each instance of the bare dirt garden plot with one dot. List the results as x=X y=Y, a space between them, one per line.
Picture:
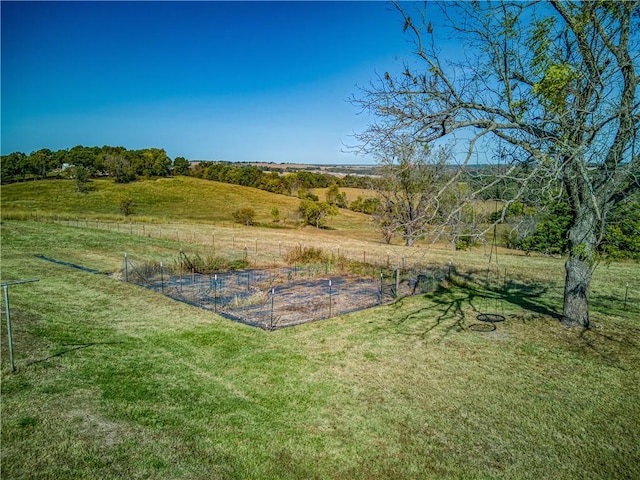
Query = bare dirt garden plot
x=279 y=297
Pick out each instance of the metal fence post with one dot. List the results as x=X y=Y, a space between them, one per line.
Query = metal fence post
x=215 y=293
x=126 y=268
x=9 y=336
x=329 y=298
x=273 y=291
x=5 y=287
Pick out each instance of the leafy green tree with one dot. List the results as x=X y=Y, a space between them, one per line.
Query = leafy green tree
x=120 y=168
x=88 y=157
x=273 y=182
x=41 y=162
x=551 y=232
x=365 y=205
x=13 y=166
x=314 y=213
x=555 y=84
x=305 y=179
x=180 y=166
x=335 y=197
x=81 y=176
x=305 y=194
x=622 y=237
x=161 y=163
x=275 y=214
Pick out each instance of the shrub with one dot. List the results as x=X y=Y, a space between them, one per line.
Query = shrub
x=244 y=215
x=127 y=206
x=210 y=264
x=300 y=254
x=466 y=241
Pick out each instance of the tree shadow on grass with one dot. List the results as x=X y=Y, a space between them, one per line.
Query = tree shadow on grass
x=443 y=310
x=531 y=297
x=534 y=298
x=449 y=310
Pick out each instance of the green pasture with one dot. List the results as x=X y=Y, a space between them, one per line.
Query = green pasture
x=181 y=199
x=117 y=382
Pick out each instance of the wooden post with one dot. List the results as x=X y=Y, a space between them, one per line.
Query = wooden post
x=397 y=281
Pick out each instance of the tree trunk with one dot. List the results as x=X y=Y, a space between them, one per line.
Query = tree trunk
x=576 y=292
x=579 y=268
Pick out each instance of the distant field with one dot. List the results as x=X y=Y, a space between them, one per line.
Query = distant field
x=183 y=199
x=117 y=382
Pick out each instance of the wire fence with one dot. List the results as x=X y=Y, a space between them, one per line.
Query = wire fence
x=278 y=297
x=258 y=247
x=243 y=249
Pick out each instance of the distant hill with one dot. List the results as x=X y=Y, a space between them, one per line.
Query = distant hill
x=177 y=199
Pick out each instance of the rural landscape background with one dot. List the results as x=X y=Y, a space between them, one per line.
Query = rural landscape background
x=115 y=381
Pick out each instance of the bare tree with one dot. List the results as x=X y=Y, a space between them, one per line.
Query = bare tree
x=411 y=175
x=554 y=83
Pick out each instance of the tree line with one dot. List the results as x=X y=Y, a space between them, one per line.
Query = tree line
x=119 y=163
x=83 y=163
x=286 y=184
x=128 y=165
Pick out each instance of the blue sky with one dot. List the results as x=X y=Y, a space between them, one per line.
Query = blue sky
x=238 y=81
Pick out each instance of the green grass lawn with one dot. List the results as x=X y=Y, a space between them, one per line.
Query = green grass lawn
x=115 y=381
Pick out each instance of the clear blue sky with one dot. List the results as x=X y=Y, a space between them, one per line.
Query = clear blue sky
x=238 y=81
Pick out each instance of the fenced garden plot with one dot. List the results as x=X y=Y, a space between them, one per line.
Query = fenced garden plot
x=278 y=297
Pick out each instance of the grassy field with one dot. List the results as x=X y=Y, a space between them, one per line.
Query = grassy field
x=180 y=199
x=114 y=381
